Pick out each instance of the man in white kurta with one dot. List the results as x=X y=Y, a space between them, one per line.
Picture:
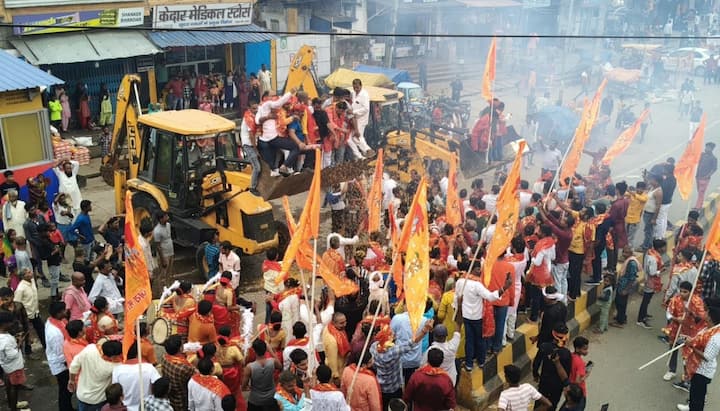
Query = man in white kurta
x=66 y=173
x=106 y=286
x=361 y=111
x=14 y=214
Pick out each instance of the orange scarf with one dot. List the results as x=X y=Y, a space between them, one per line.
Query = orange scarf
x=341 y=338
x=655 y=282
x=249 y=118
x=293 y=398
x=204 y=319
x=692 y=360
x=298 y=342
x=60 y=325
x=325 y=387
x=177 y=360
x=427 y=369
x=213 y=384
x=540 y=275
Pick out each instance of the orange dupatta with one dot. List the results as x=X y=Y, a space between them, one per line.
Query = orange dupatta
x=540 y=275
x=213 y=384
x=341 y=338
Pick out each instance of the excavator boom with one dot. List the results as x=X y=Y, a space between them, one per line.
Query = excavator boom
x=301 y=75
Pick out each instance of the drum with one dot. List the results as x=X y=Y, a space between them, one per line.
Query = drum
x=161 y=330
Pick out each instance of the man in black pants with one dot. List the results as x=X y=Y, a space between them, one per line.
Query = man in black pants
x=653 y=267
x=551 y=367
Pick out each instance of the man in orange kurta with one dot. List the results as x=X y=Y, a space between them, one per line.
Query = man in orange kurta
x=501 y=270
x=333 y=259
x=202 y=324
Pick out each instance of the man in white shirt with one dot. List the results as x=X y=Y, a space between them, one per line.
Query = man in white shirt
x=449 y=348
x=95 y=368
x=325 y=396
x=707 y=355
x=265 y=77
x=66 y=172
x=230 y=261
x=248 y=139
x=343 y=242
x=490 y=199
x=55 y=338
x=127 y=375
x=551 y=158
x=268 y=143
x=361 y=110
x=27 y=294
x=205 y=391
x=388 y=185
x=106 y=286
x=469 y=296
x=525 y=195
x=162 y=237
x=14 y=214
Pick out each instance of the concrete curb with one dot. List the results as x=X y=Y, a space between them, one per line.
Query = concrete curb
x=581 y=314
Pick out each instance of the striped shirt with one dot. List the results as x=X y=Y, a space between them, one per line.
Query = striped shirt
x=518 y=398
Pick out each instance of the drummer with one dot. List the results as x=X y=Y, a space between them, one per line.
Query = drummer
x=182 y=306
x=226 y=310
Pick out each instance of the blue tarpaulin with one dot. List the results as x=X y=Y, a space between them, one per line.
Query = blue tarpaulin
x=397 y=76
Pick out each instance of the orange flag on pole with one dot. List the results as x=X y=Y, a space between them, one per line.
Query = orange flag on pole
x=624 y=140
x=712 y=245
x=685 y=167
x=138 y=294
x=417 y=262
x=396 y=269
x=572 y=159
x=375 y=196
x=453 y=209
x=305 y=252
x=340 y=286
x=489 y=74
x=595 y=105
x=508 y=211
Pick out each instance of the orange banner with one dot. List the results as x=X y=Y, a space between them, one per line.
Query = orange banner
x=489 y=74
x=624 y=139
x=340 y=286
x=686 y=166
x=508 y=210
x=305 y=252
x=375 y=196
x=138 y=294
x=453 y=208
x=572 y=158
x=712 y=244
x=396 y=270
x=417 y=262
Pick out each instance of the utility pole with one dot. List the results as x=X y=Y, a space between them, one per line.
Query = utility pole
x=390 y=43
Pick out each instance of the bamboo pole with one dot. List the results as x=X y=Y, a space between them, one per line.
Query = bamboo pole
x=666 y=353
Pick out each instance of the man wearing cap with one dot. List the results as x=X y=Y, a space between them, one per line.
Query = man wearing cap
x=705 y=169
x=448 y=348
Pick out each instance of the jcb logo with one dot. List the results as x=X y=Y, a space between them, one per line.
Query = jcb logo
x=132 y=144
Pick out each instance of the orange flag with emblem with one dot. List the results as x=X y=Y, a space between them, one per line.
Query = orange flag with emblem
x=417 y=261
x=138 y=294
x=712 y=245
x=624 y=140
x=453 y=208
x=508 y=210
x=375 y=196
x=686 y=166
x=396 y=269
x=489 y=74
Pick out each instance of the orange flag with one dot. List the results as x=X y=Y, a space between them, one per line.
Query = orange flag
x=453 y=209
x=712 y=245
x=340 y=286
x=685 y=167
x=138 y=294
x=305 y=252
x=624 y=140
x=489 y=75
x=508 y=210
x=417 y=262
x=394 y=235
x=572 y=158
x=595 y=105
x=374 y=199
x=402 y=242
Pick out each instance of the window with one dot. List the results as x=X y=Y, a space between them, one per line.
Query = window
x=274 y=25
x=156 y=157
x=24 y=139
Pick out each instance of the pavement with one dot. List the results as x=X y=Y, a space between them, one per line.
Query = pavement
x=617 y=354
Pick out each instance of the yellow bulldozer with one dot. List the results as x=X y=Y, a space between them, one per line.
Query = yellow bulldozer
x=187 y=163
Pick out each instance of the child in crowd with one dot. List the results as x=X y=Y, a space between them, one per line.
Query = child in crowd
x=518 y=396
x=22 y=256
x=158 y=400
x=579 y=371
x=13 y=277
x=605 y=301
x=115 y=397
x=11 y=362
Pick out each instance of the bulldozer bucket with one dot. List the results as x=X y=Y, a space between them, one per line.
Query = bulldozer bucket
x=275 y=187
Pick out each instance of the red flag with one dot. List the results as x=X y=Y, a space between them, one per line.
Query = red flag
x=685 y=167
x=624 y=140
x=138 y=294
x=508 y=210
x=489 y=74
x=374 y=199
x=453 y=209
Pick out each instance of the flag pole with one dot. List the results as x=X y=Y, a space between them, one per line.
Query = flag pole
x=490 y=128
x=562 y=163
x=362 y=353
x=666 y=353
x=311 y=309
x=687 y=304
x=139 y=357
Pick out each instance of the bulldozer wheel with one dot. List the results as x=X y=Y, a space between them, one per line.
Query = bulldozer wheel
x=283 y=238
x=200 y=260
x=144 y=207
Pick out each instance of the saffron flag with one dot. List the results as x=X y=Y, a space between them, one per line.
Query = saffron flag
x=712 y=245
x=685 y=167
x=572 y=158
x=508 y=210
x=489 y=74
x=396 y=269
x=305 y=252
x=595 y=105
x=453 y=208
x=138 y=294
x=340 y=286
x=417 y=262
x=374 y=199
x=624 y=140
x=394 y=235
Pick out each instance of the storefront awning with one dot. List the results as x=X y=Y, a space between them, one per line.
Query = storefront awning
x=15 y=74
x=83 y=46
x=226 y=35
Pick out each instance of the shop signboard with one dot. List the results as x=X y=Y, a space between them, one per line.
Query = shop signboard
x=13 y=4
x=202 y=16
x=68 y=21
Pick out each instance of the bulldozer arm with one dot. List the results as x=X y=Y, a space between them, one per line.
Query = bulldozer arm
x=301 y=75
x=275 y=187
